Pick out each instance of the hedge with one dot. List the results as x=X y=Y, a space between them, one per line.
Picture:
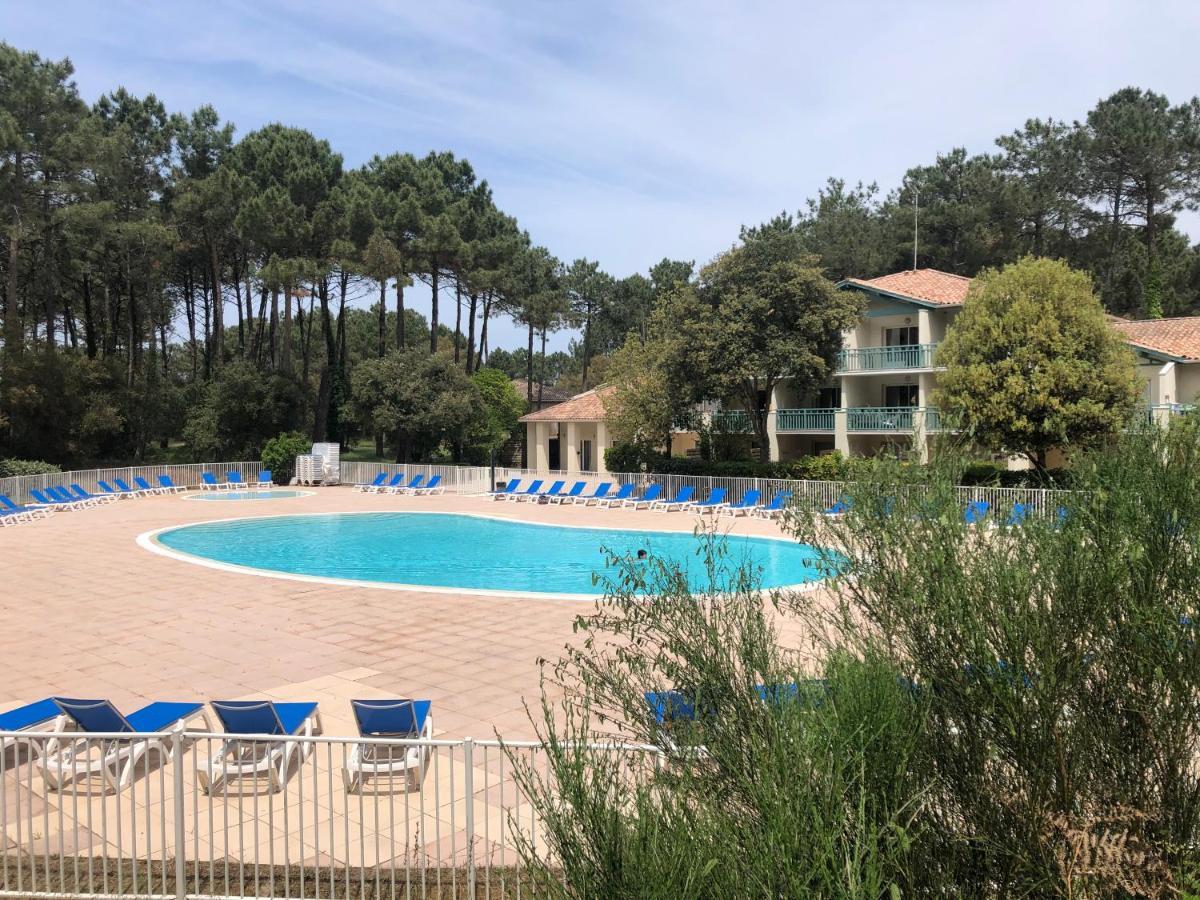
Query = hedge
x=15 y=468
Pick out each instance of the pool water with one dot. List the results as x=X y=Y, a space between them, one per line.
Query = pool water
x=442 y=550
x=272 y=494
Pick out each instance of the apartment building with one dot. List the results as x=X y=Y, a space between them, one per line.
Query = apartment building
x=880 y=393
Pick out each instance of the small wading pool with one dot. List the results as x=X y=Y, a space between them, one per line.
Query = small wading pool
x=273 y=494
x=456 y=552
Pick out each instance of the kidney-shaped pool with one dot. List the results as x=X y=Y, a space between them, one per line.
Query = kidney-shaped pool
x=456 y=552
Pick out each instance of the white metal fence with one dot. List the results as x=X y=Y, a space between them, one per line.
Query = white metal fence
x=477 y=479
x=451 y=828
x=18 y=487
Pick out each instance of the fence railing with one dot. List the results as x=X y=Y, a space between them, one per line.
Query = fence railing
x=18 y=487
x=480 y=479
x=348 y=821
x=870 y=359
x=805 y=419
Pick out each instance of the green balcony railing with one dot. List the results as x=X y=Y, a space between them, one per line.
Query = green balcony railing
x=891 y=418
x=872 y=359
x=732 y=420
x=805 y=419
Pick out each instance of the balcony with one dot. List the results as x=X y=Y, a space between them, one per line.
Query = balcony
x=805 y=419
x=733 y=421
x=885 y=359
x=890 y=419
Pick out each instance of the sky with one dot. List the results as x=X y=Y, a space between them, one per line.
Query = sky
x=630 y=131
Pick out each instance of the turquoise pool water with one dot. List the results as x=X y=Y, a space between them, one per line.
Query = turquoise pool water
x=444 y=550
x=272 y=494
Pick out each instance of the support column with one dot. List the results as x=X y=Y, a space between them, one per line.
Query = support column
x=841 y=436
x=919 y=436
x=571 y=441
x=541 y=455
x=601 y=446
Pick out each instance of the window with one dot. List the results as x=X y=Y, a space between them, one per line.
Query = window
x=904 y=336
x=900 y=395
x=829 y=398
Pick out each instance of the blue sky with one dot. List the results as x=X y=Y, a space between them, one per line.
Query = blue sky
x=630 y=131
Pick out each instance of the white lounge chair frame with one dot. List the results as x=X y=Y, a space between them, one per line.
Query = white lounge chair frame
x=387 y=760
x=242 y=757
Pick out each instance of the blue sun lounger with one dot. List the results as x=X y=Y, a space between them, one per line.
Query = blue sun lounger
x=682 y=496
x=976 y=512
x=378 y=482
x=390 y=486
x=649 y=497
x=1018 y=516
x=50 y=501
x=146 y=487
x=168 y=485
x=405 y=720
x=776 y=506
x=30 y=717
x=595 y=496
x=507 y=490
x=838 y=509
x=234 y=480
x=570 y=496
x=123 y=487
x=266 y=480
x=241 y=758
x=62 y=495
x=414 y=482
x=553 y=491
x=531 y=491
x=208 y=482
x=623 y=493
x=72 y=756
x=432 y=486
x=77 y=491
x=8 y=508
x=715 y=501
x=745 y=506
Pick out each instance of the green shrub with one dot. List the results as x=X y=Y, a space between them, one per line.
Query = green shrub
x=14 y=468
x=1061 y=660
x=280 y=452
x=812 y=799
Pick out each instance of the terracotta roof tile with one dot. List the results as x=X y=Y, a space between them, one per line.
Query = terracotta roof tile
x=1172 y=337
x=928 y=285
x=585 y=407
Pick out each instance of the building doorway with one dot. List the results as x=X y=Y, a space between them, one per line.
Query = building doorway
x=554 y=461
x=585 y=456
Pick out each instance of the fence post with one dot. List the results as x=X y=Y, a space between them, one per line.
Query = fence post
x=469 y=821
x=180 y=836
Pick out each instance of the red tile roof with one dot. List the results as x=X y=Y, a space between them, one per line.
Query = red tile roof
x=1172 y=337
x=585 y=407
x=926 y=285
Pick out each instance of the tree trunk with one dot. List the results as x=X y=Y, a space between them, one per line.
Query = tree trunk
x=457 y=318
x=14 y=331
x=89 y=322
x=483 y=335
x=207 y=311
x=400 y=312
x=382 y=317
x=471 y=333
x=285 y=348
x=529 y=369
x=218 y=307
x=433 y=312
x=189 y=306
x=542 y=370
x=587 y=338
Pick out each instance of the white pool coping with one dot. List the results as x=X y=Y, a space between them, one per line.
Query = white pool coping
x=148 y=540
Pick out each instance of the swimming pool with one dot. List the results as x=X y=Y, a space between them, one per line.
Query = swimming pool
x=457 y=552
x=271 y=494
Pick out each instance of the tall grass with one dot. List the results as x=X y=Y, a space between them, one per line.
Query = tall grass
x=1001 y=712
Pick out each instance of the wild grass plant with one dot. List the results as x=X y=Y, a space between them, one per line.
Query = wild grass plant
x=992 y=712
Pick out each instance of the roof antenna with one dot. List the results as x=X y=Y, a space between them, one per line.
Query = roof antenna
x=916 y=207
